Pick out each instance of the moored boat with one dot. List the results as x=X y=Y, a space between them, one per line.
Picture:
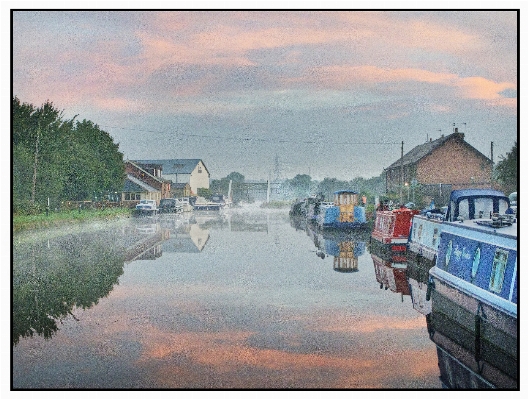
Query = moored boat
x=468 y=204
x=474 y=283
x=344 y=213
x=392 y=227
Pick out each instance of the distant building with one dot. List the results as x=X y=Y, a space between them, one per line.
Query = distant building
x=140 y=184
x=449 y=160
x=191 y=171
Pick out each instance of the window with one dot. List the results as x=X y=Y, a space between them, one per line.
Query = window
x=448 y=252
x=497 y=270
x=476 y=263
x=435 y=236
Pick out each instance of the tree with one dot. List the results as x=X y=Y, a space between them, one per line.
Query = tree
x=506 y=170
x=60 y=159
x=300 y=185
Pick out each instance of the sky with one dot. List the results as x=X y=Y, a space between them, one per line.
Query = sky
x=273 y=94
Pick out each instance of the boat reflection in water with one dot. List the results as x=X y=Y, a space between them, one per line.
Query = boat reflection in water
x=345 y=247
x=467 y=360
x=391 y=269
x=417 y=276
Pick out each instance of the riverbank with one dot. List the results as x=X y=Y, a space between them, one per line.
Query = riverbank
x=57 y=219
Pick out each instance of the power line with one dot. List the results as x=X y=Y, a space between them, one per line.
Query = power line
x=256 y=139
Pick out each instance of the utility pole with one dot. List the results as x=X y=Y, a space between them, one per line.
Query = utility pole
x=401 y=175
x=35 y=165
x=491 y=155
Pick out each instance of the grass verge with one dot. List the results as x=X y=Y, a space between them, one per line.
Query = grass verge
x=55 y=219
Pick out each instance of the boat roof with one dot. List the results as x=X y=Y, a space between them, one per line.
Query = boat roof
x=458 y=195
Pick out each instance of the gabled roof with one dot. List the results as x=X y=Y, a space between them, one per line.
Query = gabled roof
x=427 y=148
x=147 y=173
x=173 y=166
x=133 y=185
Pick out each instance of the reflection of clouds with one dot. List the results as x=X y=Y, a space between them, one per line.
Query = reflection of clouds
x=231 y=356
x=365 y=324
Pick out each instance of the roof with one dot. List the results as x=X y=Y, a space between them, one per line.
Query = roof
x=134 y=185
x=173 y=166
x=427 y=148
x=144 y=171
x=457 y=195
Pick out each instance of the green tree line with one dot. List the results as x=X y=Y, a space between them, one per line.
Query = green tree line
x=60 y=159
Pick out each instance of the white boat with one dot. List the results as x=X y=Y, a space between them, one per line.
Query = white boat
x=469 y=204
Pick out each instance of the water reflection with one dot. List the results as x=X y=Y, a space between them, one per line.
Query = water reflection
x=345 y=247
x=391 y=270
x=53 y=276
x=472 y=353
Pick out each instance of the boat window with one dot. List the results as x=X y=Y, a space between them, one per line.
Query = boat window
x=503 y=206
x=484 y=205
x=497 y=271
x=476 y=262
x=448 y=252
x=463 y=209
x=435 y=236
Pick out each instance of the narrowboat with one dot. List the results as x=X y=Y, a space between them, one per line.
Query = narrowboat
x=344 y=213
x=468 y=204
x=474 y=281
x=473 y=320
x=391 y=227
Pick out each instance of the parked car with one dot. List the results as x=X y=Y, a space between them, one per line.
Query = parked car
x=170 y=205
x=146 y=206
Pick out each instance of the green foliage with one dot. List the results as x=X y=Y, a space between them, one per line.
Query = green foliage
x=72 y=159
x=506 y=170
x=51 y=278
x=237 y=186
x=205 y=192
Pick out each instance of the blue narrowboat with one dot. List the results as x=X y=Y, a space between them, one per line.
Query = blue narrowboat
x=473 y=292
x=468 y=204
x=345 y=213
x=475 y=281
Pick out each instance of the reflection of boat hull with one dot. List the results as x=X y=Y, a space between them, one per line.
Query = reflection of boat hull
x=418 y=275
x=472 y=351
x=391 y=275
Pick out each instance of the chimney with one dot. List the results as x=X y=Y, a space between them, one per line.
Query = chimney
x=456 y=129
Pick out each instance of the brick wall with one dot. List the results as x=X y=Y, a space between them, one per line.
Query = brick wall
x=457 y=164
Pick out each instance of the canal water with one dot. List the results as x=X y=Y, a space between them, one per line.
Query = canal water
x=248 y=298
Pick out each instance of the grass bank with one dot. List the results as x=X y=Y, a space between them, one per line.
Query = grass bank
x=57 y=219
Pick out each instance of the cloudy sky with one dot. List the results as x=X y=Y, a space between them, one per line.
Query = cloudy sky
x=267 y=93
